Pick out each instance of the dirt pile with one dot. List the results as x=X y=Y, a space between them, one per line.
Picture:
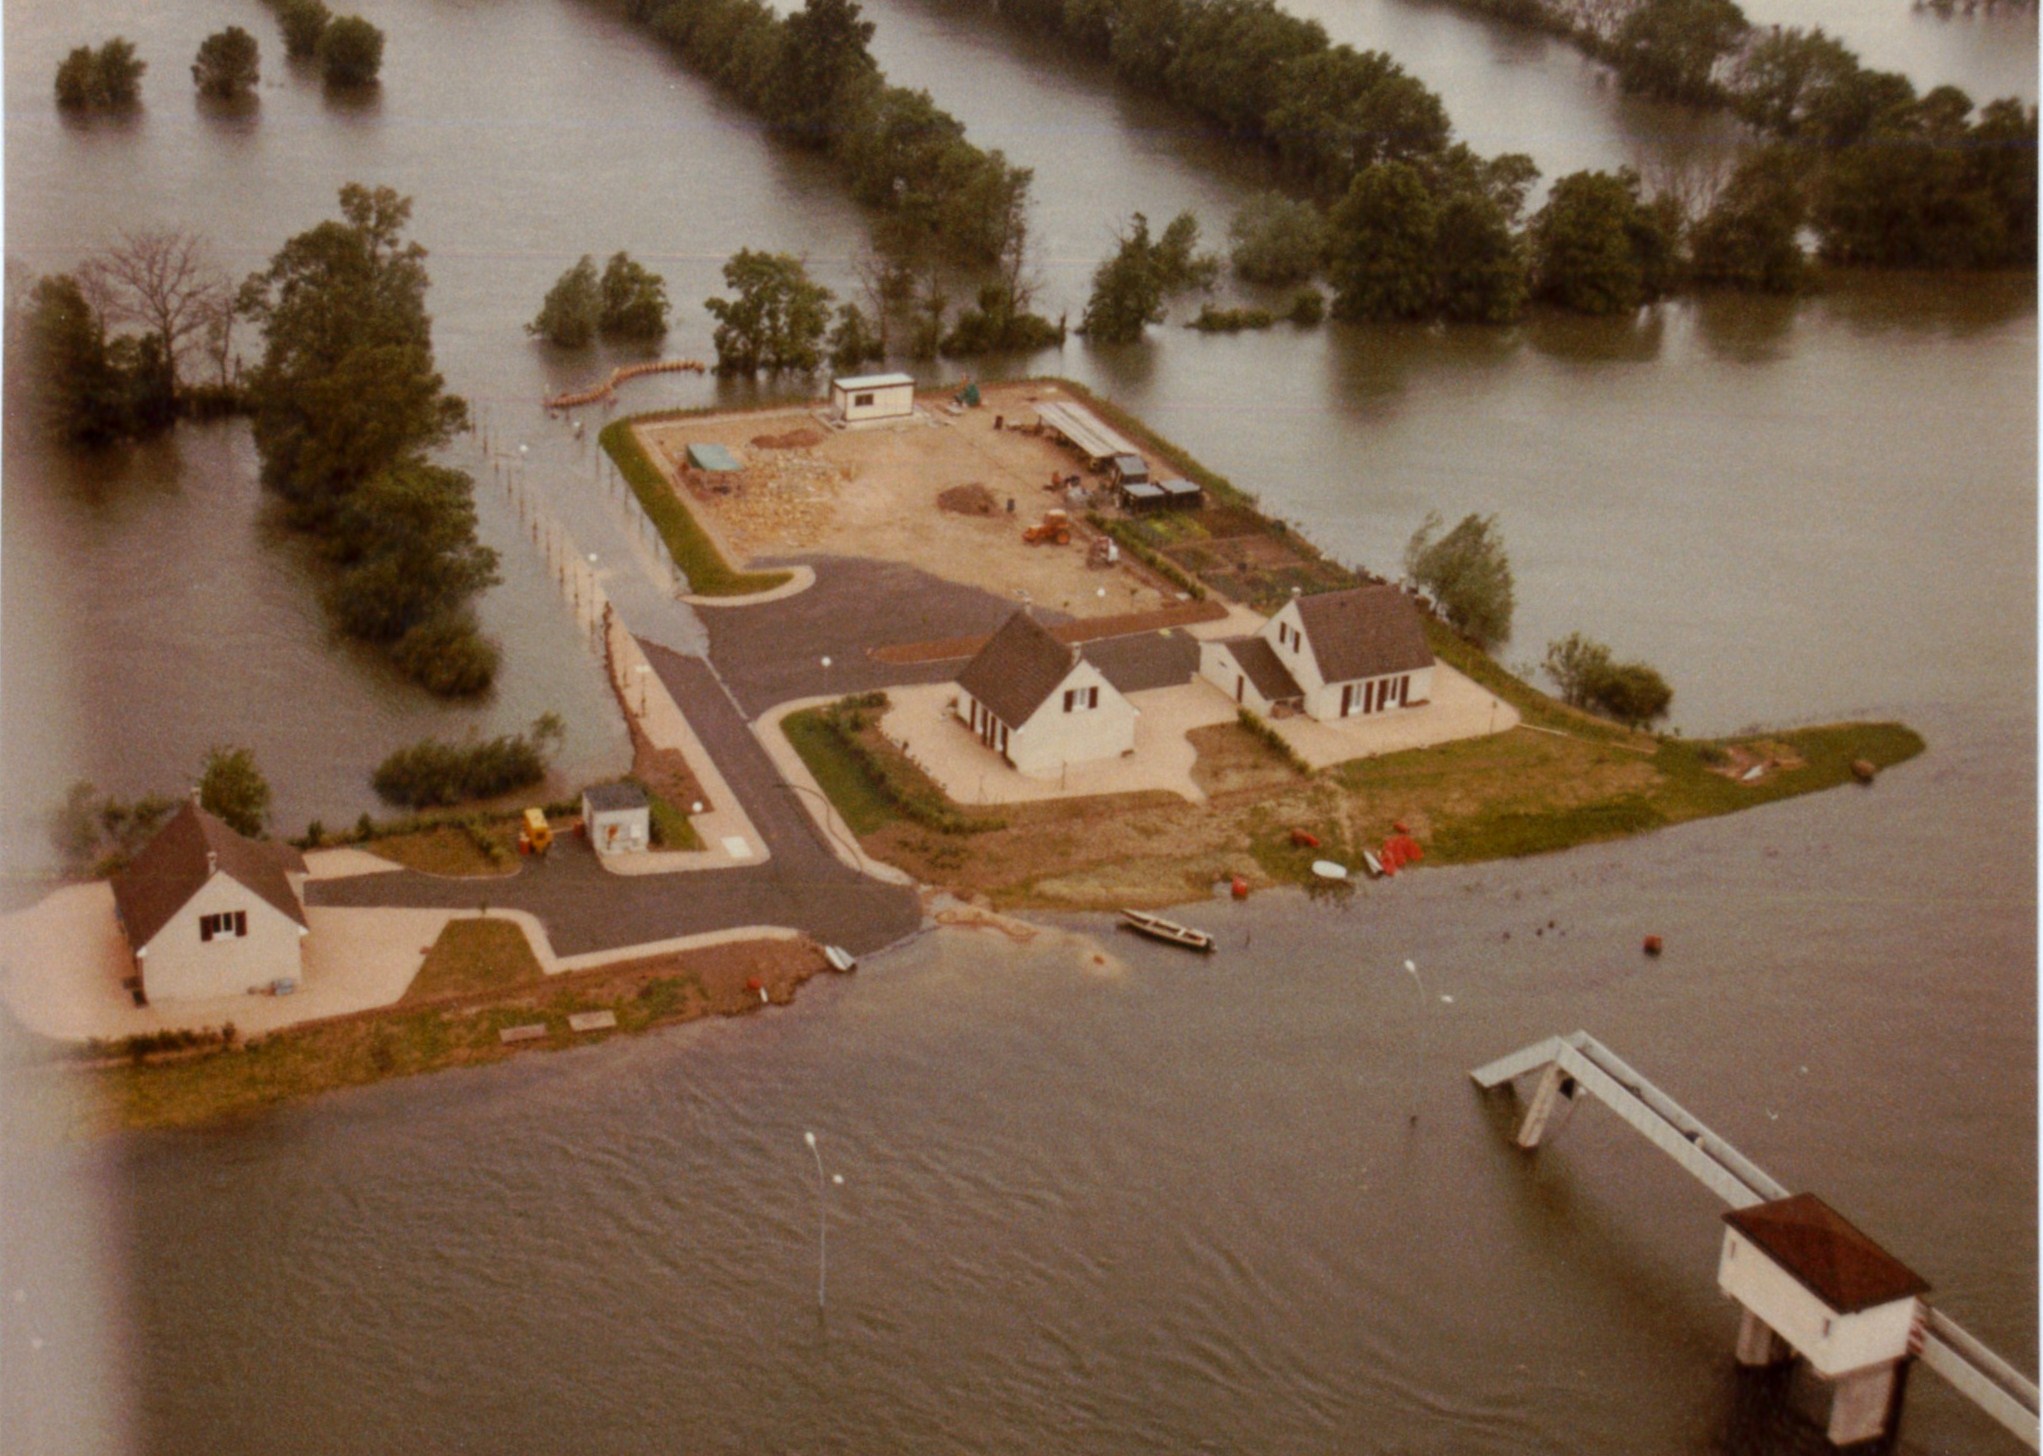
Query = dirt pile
x=968 y=500
x=792 y=440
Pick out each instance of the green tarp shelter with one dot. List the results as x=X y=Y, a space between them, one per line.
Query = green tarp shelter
x=711 y=457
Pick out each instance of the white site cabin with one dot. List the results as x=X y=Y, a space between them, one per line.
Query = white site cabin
x=1331 y=656
x=872 y=397
x=618 y=818
x=1040 y=704
x=1811 y=1282
x=209 y=913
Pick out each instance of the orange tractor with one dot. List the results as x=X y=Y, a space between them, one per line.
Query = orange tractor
x=1053 y=530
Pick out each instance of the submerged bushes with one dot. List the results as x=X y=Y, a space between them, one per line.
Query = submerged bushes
x=431 y=773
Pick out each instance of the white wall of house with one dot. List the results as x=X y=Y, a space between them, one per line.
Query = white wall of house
x=1285 y=633
x=1329 y=701
x=1217 y=666
x=1832 y=1343
x=1368 y=696
x=180 y=966
x=875 y=397
x=1099 y=723
x=620 y=831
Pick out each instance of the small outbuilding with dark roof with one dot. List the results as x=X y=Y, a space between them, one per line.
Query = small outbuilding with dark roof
x=209 y=912
x=617 y=817
x=1039 y=704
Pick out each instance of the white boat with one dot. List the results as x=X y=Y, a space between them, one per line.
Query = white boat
x=840 y=959
x=1327 y=869
x=1169 y=931
x=1372 y=864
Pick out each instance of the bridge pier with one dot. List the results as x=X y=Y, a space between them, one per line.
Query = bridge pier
x=1759 y=1344
x=1554 y=1084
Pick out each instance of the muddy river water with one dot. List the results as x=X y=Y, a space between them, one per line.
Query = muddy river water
x=1168 y=1207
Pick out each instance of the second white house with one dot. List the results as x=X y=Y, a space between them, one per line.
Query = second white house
x=1039 y=704
x=1335 y=655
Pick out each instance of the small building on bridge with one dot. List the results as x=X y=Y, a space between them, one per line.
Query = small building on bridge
x=1811 y=1283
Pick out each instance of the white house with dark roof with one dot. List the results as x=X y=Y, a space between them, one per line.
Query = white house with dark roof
x=210 y=913
x=1039 y=704
x=1335 y=655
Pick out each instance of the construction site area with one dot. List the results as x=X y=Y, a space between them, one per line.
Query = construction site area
x=1026 y=494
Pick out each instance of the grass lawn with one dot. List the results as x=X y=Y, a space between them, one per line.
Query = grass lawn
x=859 y=797
x=672 y=829
x=474 y=956
x=1511 y=794
x=483 y=986
x=452 y=849
x=708 y=573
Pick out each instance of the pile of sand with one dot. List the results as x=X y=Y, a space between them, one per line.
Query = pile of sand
x=792 y=440
x=969 y=500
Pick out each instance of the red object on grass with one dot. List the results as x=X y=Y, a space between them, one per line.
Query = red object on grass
x=1240 y=888
x=752 y=983
x=1304 y=839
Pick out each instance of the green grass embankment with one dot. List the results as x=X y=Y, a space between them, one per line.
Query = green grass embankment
x=709 y=575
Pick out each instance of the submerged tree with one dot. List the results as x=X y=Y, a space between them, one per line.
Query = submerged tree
x=109 y=78
x=633 y=301
x=350 y=51
x=233 y=790
x=778 y=319
x=164 y=280
x=1467 y=572
x=572 y=308
x=228 y=64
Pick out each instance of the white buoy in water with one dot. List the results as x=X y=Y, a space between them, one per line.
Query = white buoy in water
x=1327 y=869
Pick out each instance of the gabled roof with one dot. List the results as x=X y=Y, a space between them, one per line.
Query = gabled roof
x=1365 y=632
x=1260 y=663
x=1017 y=669
x=1826 y=1253
x=610 y=797
x=175 y=865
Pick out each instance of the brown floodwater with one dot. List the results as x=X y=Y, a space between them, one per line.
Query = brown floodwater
x=1178 y=1208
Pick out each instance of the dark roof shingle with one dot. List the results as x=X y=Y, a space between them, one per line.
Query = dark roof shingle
x=1365 y=632
x=1259 y=661
x=1018 y=668
x=610 y=797
x=1831 y=1258
x=173 y=867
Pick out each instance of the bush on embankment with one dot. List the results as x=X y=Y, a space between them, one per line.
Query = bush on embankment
x=709 y=575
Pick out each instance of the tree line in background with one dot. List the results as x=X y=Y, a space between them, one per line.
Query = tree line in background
x=228 y=65
x=1408 y=223
x=811 y=77
x=346 y=404
x=100 y=833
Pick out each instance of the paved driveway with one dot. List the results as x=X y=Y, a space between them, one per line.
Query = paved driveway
x=584 y=909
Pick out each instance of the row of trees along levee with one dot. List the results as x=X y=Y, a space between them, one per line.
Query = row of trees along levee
x=940 y=203
x=1407 y=223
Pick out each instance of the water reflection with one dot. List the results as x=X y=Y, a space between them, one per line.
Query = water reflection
x=1634 y=338
x=1745 y=328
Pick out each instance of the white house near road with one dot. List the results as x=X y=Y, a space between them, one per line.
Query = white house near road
x=1331 y=656
x=1039 y=704
x=872 y=397
x=210 y=913
x=618 y=818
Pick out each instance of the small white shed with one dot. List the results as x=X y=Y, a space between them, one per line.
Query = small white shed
x=873 y=397
x=618 y=817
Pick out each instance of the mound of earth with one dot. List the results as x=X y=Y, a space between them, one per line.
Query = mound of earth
x=969 y=500
x=792 y=440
